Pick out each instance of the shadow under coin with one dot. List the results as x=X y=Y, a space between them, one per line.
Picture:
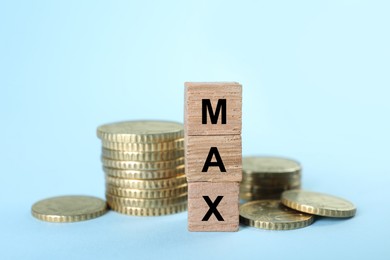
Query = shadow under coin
x=328 y=221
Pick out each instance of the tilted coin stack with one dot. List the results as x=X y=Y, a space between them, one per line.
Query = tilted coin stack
x=143 y=163
x=213 y=152
x=268 y=177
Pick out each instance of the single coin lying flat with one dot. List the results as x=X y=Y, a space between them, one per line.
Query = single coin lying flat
x=269 y=166
x=270 y=214
x=141 y=131
x=69 y=208
x=318 y=203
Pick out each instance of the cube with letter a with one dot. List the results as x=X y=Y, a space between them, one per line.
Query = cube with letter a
x=213 y=150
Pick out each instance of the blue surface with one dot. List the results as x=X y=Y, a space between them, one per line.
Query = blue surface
x=316 y=88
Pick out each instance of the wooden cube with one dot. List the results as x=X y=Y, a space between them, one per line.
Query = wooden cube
x=213 y=206
x=213 y=158
x=213 y=108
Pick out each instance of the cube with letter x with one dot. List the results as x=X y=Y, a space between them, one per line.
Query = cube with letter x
x=213 y=206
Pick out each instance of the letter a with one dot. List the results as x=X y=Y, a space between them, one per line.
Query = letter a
x=219 y=162
x=206 y=106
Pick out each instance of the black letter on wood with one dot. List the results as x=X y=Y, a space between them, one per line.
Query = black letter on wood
x=206 y=106
x=208 y=162
x=213 y=208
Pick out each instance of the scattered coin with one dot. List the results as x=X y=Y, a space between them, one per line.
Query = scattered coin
x=318 y=203
x=270 y=214
x=68 y=208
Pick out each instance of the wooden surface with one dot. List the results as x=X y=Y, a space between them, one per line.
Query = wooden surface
x=230 y=150
x=198 y=207
x=195 y=92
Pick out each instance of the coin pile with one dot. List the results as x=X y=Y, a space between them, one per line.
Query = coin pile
x=296 y=209
x=272 y=186
x=270 y=214
x=143 y=163
x=268 y=177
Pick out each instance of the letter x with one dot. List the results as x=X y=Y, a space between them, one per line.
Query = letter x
x=213 y=208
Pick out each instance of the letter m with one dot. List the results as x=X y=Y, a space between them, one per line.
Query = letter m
x=206 y=107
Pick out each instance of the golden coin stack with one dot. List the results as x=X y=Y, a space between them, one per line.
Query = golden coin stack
x=268 y=177
x=143 y=163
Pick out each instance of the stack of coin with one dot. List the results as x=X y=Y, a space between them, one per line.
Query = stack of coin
x=143 y=163
x=268 y=177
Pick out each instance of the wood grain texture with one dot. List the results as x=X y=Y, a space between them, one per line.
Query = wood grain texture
x=228 y=206
x=197 y=149
x=196 y=91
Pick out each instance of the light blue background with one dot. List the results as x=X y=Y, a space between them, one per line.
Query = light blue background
x=316 y=88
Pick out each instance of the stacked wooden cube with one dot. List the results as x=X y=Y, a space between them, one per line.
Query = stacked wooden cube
x=213 y=150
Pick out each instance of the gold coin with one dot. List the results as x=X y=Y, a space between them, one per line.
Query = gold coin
x=68 y=208
x=142 y=156
x=268 y=186
x=271 y=189
x=141 y=131
x=134 y=211
x=147 y=194
x=256 y=194
x=318 y=203
x=145 y=203
x=271 y=178
x=268 y=190
x=145 y=147
x=134 y=165
x=265 y=166
x=260 y=196
x=147 y=184
x=256 y=186
x=138 y=174
x=270 y=214
x=251 y=196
